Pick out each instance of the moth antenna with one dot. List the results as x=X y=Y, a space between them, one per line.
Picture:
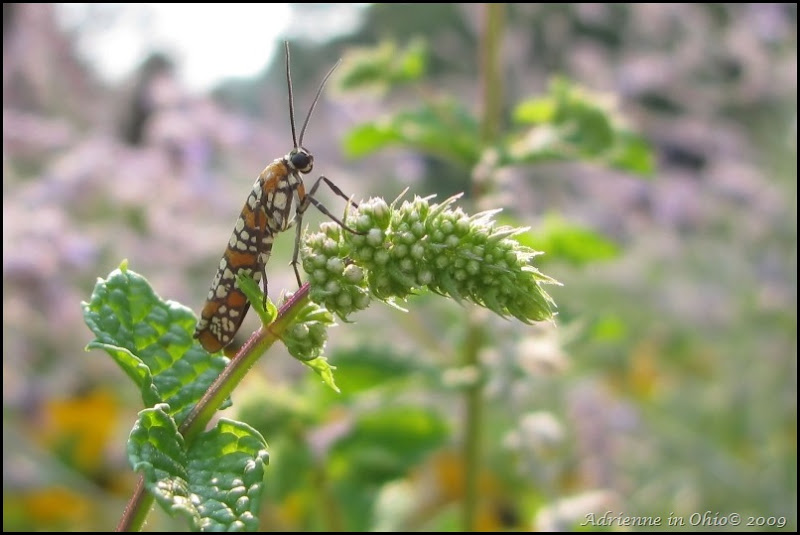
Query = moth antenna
x=316 y=99
x=291 y=97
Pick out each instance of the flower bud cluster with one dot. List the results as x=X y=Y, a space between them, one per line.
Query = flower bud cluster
x=306 y=339
x=400 y=250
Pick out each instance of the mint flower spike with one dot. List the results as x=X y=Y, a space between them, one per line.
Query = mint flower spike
x=415 y=245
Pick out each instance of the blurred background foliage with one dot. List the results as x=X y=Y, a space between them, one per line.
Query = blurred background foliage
x=651 y=148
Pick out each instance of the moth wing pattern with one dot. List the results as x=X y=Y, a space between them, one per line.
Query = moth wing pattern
x=265 y=213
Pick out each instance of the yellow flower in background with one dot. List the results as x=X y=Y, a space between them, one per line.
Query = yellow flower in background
x=52 y=508
x=77 y=429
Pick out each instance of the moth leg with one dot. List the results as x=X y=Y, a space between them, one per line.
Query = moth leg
x=262 y=266
x=334 y=188
x=307 y=200
x=310 y=199
x=298 y=221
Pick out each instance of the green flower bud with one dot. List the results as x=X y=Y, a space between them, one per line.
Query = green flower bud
x=353 y=274
x=335 y=265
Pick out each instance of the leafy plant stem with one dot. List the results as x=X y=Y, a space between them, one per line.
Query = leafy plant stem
x=138 y=506
x=231 y=376
x=137 y=509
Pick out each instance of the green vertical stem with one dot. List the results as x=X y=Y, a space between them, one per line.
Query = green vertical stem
x=491 y=82
x=473 y=432
x=492 y=107
x=492 y=73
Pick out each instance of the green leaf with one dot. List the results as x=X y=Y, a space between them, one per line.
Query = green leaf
x=587 y=128
x=383 y=66
x=151 y=340
x=568 y=242
x=385 y=443
x=572 y=123
x=324 y=369
x=273 y=409
x=256 y=297
x=536 y=111
x=444 y=129
x=365 y=368
x=542 y=143
x=216 y=484
x=296 y=473
x=368 y=138
x=633 y=154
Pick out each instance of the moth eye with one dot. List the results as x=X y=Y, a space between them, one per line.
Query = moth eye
x=302 y=161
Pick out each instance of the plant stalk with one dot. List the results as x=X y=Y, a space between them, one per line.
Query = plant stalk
x=138 y=507
x=492 y=109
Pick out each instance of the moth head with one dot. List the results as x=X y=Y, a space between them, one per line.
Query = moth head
x=301 y=160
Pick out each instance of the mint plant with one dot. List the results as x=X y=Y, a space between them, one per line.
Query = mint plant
x=214 y=478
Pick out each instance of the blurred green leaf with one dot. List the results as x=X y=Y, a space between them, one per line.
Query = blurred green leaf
x=536 y=111
x=444 y=129
x=151 y=340
x=568 y=242
x=356 y=499
x=609 y=328
x=383 y=66
x=273 y=409
x=587 y=128
x=385 y=443
x=634 y=154
x=365 y=368
x=295 y=472
x=216 y=484
x=571 y=123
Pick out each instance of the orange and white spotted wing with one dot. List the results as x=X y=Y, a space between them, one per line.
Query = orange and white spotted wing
x=266 y=213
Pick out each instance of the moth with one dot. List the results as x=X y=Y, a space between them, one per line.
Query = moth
x=266 y=212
